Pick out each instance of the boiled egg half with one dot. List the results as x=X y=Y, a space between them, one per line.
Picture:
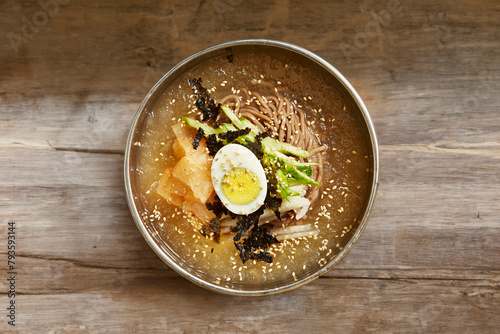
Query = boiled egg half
x=239 y=179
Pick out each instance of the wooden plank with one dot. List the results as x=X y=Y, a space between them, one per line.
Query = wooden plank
x=152 y=301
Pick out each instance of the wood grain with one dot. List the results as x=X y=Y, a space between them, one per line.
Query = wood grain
x=429 y=73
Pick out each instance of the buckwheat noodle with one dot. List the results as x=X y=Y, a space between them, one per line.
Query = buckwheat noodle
x=284 y=120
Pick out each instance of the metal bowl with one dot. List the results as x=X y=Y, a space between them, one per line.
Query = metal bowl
x=161 y=247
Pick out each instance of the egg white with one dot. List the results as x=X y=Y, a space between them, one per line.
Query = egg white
x=234 y=156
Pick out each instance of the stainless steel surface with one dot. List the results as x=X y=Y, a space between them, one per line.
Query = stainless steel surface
x=162 y=250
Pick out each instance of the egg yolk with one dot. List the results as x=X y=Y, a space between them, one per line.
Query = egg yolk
x=240 y=186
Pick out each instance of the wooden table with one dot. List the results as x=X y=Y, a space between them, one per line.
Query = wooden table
x=72 y=75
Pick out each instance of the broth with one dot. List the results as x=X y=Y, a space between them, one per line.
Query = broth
x=347 y=170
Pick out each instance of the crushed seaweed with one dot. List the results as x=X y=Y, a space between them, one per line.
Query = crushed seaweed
x=273 y=202
x=209 y=109
x=254 y=247
x=212 y=227
x=213 y=144
x=216 y=142
x=217 y=207
x=197 y=138
x=256 y=148
x=245 y=222
x=231 y=136
x=262 y=135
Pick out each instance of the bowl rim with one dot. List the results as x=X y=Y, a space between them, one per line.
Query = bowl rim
x=362 y=224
